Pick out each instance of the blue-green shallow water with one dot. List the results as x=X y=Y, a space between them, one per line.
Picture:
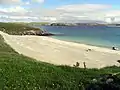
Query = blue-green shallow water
x=101 y=36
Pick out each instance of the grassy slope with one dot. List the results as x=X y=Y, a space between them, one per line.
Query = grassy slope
x=23 y=73
x=14 y=28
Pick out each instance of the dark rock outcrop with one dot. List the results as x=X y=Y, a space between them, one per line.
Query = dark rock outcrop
x=38 y=33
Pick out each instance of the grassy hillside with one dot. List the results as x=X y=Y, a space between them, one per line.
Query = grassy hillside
x=18 y=72
x=15 y=28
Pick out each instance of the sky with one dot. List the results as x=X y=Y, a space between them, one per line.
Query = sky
x=60 y=11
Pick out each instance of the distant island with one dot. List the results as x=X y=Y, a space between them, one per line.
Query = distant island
x=73 y=24
x=82 y=24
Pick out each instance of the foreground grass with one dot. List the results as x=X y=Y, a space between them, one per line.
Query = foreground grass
x=18 y=72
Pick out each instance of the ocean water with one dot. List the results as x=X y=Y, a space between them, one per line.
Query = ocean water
x=101 y=36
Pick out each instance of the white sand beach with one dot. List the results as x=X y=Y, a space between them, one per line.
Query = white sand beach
x=59 y=52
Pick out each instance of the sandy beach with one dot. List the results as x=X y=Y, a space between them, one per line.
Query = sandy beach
x=59 y=52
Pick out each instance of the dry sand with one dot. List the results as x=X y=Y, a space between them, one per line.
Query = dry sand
x=59 y=52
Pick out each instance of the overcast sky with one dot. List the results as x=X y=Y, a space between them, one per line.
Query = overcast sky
x=59 y=10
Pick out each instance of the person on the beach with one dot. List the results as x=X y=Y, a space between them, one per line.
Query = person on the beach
x=88 y=50
x=113 y=48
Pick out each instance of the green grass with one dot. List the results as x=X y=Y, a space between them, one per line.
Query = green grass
x=15 y=28
x=18 y=72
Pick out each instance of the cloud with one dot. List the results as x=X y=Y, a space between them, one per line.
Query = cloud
x=83 y=7
x=10 y=1
x=87 y=12
x=19 y=10
x=112 y=13
x=39 y=1
x=82 y=11
x=19 y=2
x=15 y=10
x=16 y=13
x=67 y=13
x=27 y=3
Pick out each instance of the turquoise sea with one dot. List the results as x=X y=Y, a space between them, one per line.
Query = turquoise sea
x=101 y=36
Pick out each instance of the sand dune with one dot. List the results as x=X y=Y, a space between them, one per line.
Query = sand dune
x=59 y=52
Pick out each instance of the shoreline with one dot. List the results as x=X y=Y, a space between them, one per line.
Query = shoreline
x=58 y=52
x=87 y=46
x=78 y=42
